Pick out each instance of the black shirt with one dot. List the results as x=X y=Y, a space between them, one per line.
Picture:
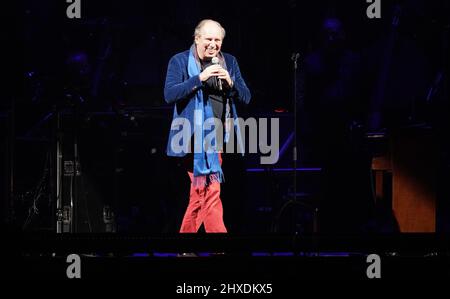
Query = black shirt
x=213 y=94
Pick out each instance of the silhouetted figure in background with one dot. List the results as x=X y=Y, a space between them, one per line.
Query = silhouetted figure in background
x=331 y=107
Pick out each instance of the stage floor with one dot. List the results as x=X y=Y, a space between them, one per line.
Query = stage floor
x=220 y=259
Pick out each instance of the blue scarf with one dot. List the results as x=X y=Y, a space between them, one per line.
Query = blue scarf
x=206 y=163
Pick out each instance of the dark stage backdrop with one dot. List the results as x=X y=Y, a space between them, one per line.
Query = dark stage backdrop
x=130 y=42
x=110 y=65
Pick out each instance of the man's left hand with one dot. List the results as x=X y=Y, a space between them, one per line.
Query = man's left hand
x=224 y=75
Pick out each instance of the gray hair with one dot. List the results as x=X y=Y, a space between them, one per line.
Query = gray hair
x=203 y=22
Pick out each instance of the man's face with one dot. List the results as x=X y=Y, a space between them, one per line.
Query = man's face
x=209 y=41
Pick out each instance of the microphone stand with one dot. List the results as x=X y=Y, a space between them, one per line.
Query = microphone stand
x=294 y=58
x=291 y=195
x=312 y=207
x=293 y=201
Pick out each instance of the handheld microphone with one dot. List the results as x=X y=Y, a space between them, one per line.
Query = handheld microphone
x=215 y=60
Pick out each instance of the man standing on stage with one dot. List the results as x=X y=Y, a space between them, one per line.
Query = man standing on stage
x=204 y=83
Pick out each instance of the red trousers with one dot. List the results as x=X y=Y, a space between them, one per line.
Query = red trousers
x=204 y=207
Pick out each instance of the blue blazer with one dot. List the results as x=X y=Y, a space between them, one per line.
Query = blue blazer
x=180 y=90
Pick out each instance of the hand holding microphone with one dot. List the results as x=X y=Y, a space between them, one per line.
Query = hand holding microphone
x=210 y=71
x=216 y=70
